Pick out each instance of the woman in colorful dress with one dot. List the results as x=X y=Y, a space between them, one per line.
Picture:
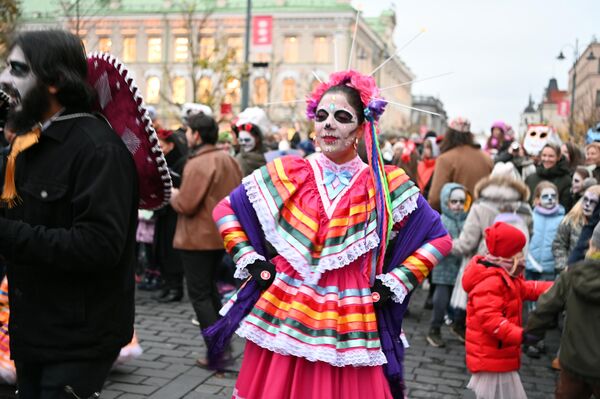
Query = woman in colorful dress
x=334 y=248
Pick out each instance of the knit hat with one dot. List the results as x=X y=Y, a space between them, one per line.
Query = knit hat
x=460 y=124
x=504 y=240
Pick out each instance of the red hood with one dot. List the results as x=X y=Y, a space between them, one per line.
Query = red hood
x=476 y=272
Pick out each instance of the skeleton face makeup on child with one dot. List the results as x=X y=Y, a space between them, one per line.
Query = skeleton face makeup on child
x=247 y=141
x=456 y=200
x=548 y=198
x=589 y=202
x=335 y=124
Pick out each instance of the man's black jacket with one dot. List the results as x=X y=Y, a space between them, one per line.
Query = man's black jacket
x=70 y=244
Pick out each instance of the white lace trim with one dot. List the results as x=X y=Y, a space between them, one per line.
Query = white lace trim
x=405 y=208
x=347 y=255
x=285 y=249
x=248 y=259
x=398 y=289
x=285 y=345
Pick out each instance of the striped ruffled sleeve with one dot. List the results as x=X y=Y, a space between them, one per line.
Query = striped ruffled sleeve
x=235 y=239
x=416 y=267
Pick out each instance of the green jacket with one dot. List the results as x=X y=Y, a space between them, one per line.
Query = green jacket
x=578 y=291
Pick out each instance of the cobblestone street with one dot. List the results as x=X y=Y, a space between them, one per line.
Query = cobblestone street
x=171 y=345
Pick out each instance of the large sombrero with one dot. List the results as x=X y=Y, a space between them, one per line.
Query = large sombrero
x=121 y=103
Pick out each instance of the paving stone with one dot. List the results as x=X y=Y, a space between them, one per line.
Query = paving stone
x=132 y=388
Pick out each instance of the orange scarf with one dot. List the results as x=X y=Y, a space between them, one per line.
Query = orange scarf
x=20 y=144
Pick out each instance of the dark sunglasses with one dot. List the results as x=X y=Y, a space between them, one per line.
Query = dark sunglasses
x=340 y=115
x=246 y=140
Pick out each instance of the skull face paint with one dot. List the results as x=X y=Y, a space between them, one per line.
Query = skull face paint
x=548 y=198
x=456 y=200
x=247 y=141
x=576 y=183
x=589 y=202
x=17 y=79
x=336 y=124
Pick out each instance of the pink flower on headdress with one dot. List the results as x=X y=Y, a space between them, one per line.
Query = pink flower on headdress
x=365 y=85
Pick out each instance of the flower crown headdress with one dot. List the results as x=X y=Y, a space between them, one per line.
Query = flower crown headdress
x=373 y=108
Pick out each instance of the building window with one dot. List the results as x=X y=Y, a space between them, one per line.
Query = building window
x=204 y=90
x=321 y=49
x=181 y=49
x=152 y=90
x=234 y=44
x=154 y=49
x=289 y=90
x=207 y=48
x=261 y=91
x=597 y=98
x=129 y=52
x=104 y=44
x=290 y=49
x=178 y=90
x=232 y=94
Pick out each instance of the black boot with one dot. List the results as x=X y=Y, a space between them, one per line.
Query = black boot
x=174 y=295
x=163 y=292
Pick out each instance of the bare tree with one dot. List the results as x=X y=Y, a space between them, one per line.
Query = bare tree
x=9 y=13
x=586 y=114
x=79 y=14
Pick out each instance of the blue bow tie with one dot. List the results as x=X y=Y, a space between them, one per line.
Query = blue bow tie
x=343 y=176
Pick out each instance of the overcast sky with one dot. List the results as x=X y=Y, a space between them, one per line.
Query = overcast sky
x=499 y=51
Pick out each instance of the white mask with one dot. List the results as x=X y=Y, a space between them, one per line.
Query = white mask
x=246 y=140
x=17 y=79
x=335 y=124
x=548 y=198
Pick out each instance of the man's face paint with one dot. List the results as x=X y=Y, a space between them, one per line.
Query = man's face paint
x=335 y=124
x=548 y=198
x=456 y=200
x=247 y=141
x=29 y=99
x=589 y=202
x=17 y=79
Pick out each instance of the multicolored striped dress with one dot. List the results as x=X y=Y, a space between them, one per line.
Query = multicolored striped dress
x=317 y=321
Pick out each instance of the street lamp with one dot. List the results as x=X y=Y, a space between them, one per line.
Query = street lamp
x=246 y=68
x=561 y=56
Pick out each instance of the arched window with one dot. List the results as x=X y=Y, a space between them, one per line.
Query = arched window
x=204 y=90
x=261 y=91
x=178 y=93
x=289 y=90
x=232 y=88
x=152 y=90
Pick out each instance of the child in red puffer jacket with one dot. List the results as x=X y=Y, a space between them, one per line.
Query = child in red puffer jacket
x=496 y=291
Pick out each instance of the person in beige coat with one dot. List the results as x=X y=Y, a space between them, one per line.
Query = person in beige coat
x=497 y=196
x=209 y=175
x=461 y=161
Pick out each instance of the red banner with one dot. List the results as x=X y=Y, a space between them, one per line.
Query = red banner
x=262 y=33
x=564 y=108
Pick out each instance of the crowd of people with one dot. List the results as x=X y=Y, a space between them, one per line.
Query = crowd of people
x=314 y=243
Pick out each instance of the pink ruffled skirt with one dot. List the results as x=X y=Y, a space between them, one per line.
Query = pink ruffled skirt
x=268 y=375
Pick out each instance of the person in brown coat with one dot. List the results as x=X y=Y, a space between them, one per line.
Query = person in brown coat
x=209 y=175
x=461 y=161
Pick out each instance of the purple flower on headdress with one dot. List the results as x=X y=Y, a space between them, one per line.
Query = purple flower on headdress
x=377 y=107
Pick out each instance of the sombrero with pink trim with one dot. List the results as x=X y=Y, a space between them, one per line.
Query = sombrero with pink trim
x=121 y=103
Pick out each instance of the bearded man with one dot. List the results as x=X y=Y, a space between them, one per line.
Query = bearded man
x=67 y=227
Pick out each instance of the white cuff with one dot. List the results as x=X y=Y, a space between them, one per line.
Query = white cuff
x=398 y=289
x=248 y=259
